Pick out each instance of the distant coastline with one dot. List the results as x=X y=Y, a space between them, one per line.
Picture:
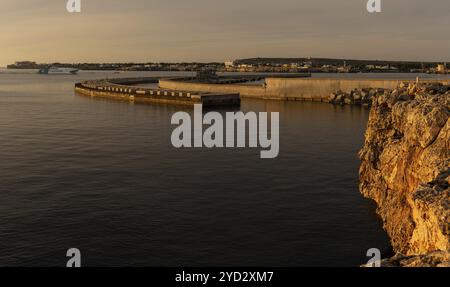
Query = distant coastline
x=259 y=65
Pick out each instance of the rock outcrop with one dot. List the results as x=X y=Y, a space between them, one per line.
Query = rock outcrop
x=432 y=259
x=355 y=97
x=406 y=170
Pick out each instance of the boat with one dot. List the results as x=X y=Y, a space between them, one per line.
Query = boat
x=58 y=71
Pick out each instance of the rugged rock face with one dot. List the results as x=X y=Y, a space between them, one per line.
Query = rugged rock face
x=406 y=170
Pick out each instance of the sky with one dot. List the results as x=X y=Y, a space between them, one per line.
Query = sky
x=210 y=30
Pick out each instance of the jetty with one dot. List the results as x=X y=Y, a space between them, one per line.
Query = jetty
x=299 y=88
x=227 y=90
x=128 y=89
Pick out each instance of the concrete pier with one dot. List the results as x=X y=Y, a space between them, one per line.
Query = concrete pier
x=124 y=90
x=227 y=90
x=289 y=89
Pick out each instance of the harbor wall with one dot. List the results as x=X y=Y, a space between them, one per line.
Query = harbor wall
x=112 y=90
x=322 y=88
x=289 y=88
x=243 y=90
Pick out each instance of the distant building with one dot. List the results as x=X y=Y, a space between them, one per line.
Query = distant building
x=380 y=67
x=344 y=69
x=229 y=64
x=245 y=66
x=441 y=69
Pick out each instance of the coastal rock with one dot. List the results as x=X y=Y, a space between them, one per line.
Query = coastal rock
x=432 y=259
x=406 y=170
x=348 y=100
x=333 y=97
x=355 y=97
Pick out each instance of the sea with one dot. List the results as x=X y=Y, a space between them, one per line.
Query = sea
x=103 y=177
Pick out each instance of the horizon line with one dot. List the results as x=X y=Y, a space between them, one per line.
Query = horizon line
x=238 y=59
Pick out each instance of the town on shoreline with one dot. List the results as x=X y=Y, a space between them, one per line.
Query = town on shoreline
x=260 y=65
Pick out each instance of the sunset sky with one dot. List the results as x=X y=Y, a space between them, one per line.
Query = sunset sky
x=210 y=30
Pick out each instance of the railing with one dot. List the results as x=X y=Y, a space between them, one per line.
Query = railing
x=114 y=87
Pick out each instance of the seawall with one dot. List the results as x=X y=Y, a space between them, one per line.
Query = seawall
x=290 y=89
x=257 y=91
x=123 y=90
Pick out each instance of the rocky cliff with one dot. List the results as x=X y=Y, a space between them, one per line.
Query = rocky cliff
x=406 y=170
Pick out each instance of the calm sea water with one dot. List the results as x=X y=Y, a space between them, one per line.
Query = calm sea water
x=102 y=176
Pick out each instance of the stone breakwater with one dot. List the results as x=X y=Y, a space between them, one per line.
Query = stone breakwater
x=366 y=95
x=356 y=97
x=406 y=170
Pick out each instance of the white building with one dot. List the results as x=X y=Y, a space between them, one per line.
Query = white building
x=441 y=68
x=229 y=64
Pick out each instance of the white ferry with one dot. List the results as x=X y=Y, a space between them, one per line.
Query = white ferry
x=58 y=71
